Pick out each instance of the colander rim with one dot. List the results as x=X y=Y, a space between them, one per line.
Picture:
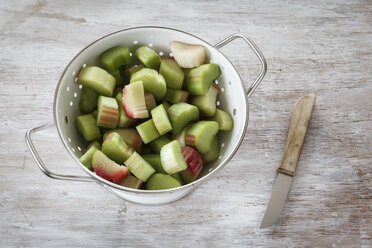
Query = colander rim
x=122 y=188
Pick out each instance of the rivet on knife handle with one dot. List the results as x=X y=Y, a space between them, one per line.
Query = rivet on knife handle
x=296 y=134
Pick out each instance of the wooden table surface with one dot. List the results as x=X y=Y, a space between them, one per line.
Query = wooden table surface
x=320 y=47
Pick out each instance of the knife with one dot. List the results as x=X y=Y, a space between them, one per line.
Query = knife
x=299 y=122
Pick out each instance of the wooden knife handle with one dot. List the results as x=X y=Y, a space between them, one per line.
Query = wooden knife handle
x=300 y=119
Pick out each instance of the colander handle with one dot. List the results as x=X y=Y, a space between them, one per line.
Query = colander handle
x=40 y=163
x=256 y=50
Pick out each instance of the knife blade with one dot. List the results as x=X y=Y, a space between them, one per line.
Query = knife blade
x=298 y=124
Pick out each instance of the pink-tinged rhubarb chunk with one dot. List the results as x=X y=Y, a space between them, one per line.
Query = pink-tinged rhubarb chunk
x=194 y=164
x=134 y=102
x=201 y=134
x=124 y=120
x=108 y=169
x=108 y=112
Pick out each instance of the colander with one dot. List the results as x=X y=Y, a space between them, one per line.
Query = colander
x=232 y=98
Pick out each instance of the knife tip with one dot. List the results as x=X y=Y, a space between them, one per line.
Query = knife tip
x=264 y=225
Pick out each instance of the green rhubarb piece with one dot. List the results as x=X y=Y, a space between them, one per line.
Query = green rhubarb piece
x=108 y=112
x=97 y=79
x=96 y=144
x=172 y=73
x=176 y=96
x=186 y=72
x=129 y=135
x=152 y=82
x=132 y=182
x=155 y=161
x=86 y=125
x=117 y=75
x=95 y=113
x=181 y=137
x=172 y=158
x=166 y=105
x=124 y=120
x=224 y=120
x=161 y=120
x=161 y=181
x=148 y=57
x=207 y=103
x=129 y=72
x=139 y=167
x=158 y=143
x=116 y=149
x=178 y=177
x=213 y=153
x=88 y=100
x=146 y=149
x=181 y=114
x=200 y=78
x=149 y=101
x=115 y=57
x=86 y=159
x=147 y=131
x=117 y=91
x=201 y=134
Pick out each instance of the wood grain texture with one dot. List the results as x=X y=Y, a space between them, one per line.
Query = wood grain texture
x=298 y=124
x=322 y=47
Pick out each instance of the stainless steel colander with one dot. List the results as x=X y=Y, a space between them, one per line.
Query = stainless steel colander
x=232 y=98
